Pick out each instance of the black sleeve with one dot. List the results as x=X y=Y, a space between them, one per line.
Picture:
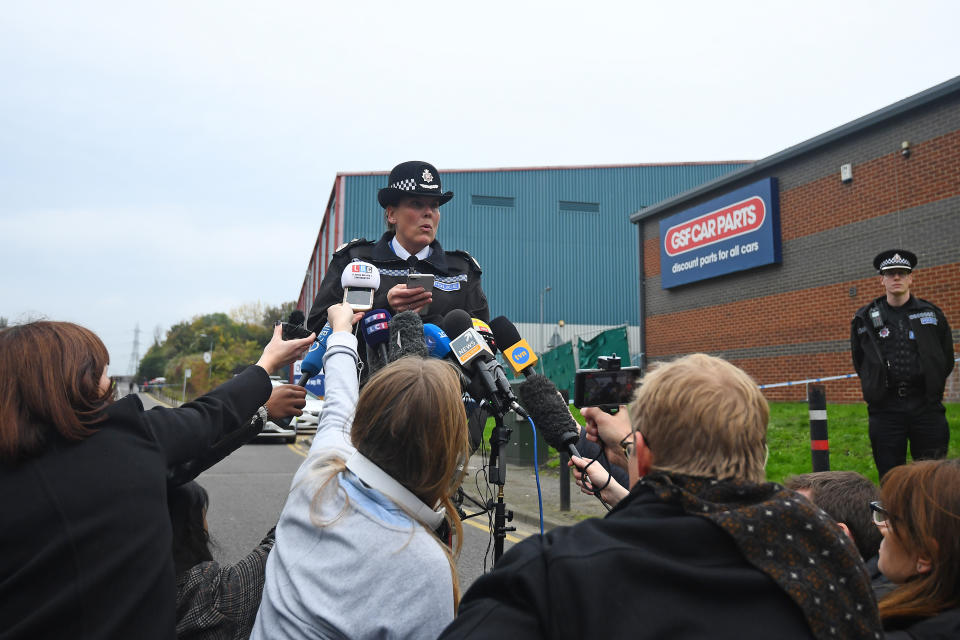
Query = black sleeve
x=856 y=350
x=188 y=432
x=188 y=470
x=946 y=343
x=507 y=602
x=330 y=293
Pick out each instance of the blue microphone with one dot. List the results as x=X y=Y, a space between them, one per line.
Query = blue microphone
x=313 y=362
x=375 y=325
x=438 y=342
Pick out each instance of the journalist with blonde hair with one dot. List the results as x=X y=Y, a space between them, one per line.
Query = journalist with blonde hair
x=701 y=547
x=356 y=553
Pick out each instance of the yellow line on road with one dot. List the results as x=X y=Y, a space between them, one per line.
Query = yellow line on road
x=484 y=527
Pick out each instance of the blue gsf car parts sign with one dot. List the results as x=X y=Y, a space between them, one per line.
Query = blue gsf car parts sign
x=737 y=231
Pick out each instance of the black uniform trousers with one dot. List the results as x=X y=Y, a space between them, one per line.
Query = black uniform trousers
x=914 y=418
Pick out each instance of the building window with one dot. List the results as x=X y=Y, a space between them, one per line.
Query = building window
x=580 y=207
x=493 y=201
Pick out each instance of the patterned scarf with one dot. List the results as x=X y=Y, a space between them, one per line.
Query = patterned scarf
x=790 y=540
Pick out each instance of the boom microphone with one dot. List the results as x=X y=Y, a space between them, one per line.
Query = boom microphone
x=406 y=336
x=313 y=362
x=375 y=325
x=514 y=348
x=550 y=413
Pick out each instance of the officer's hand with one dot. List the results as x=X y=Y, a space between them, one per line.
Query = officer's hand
x=400 y=298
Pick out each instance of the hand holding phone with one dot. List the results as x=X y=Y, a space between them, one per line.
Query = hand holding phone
x=424 y=281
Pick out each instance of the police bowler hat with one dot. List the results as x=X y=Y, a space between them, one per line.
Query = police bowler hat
x=895 y=259
x=412 y=178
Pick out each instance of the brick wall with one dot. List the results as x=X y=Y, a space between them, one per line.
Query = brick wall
x=791 y=321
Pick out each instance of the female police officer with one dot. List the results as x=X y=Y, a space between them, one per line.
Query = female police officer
x=411 y=203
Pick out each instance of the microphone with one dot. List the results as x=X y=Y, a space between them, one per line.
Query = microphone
x=438 y=342
x=471 y=352
x=406 y=336
x=438 y=346
x=376 y=331
x=360 y=280
x=313 y=362
x=296 y=317
x=484 y=329
x=550 y=413
x=514 y=348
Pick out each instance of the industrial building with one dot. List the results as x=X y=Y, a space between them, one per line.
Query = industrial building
x=554 y=243
x=765 y=266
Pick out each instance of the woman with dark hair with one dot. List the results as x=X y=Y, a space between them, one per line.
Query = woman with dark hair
x=213 y=601
x=919 y=518
x=356 y=552
x=86 y=534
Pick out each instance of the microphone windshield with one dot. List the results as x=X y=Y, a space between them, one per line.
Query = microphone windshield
x=376 y=327
x=406 y=336
x=360 y=275
x=296 y=317
x=456 y=322
x=504 y=331
x=549 y=412
x=517 y=352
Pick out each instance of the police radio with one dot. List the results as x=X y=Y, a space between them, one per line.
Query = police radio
x=607 y=387
x=875 y=317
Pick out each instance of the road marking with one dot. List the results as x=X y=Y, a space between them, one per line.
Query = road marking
x=300 y=450
x=484 y=527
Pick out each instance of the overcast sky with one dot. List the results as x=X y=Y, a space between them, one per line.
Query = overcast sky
x=160 y=160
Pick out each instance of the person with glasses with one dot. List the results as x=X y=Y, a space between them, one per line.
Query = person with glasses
x=846 y=497
x=411 y=204
x=701 y=547
x=918 y=515
x=902 y=350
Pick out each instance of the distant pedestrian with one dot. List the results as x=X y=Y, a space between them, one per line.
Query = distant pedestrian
x=903 y=352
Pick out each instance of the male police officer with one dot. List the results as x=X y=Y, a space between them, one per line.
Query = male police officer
x=903 y=352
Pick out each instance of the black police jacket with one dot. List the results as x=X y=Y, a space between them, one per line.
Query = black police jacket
x=934 y=344
x=456 y=283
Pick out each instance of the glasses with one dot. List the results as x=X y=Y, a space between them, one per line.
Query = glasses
x=627 y=444
x=881 y=517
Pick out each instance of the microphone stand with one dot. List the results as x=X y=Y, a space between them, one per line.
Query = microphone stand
x=497 y=474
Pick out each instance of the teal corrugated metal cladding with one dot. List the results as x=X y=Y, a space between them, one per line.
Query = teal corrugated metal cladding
x=566 y=228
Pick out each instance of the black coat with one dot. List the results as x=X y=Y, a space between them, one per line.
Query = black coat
x=85 y=532
x=647 y=570
x=943 y=626
x=457 y=282
x=934 y=344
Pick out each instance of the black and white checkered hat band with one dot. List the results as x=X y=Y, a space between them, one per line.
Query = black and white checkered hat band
x=405 y=185
x=895 y=262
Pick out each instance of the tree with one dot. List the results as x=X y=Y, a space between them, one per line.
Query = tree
x=273 y=314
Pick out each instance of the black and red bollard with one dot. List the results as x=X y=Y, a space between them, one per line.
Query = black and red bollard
x=819 y=444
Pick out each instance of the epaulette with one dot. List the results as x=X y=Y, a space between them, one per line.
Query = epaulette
x=356 y=242
x=466 y=256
